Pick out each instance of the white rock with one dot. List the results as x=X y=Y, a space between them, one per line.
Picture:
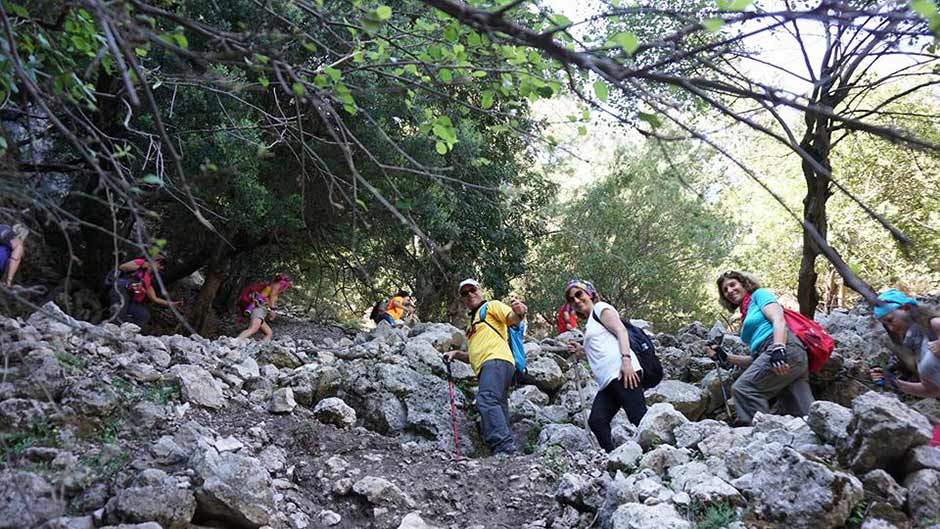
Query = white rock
x=687 y=399
x=282 y=401
x=658 y=424
x=198 y=386
x=228 y=444
x=334 y=411
x=625 y=457
x=639 y=516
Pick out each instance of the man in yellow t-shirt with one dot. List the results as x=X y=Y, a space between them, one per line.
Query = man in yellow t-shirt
x=491 y=359
x=396 y=305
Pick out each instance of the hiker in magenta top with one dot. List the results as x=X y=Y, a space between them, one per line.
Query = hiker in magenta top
x=778 y=366
x=566 y=319
x=133 y=285
x=492 y=360
x=260 y=305
x=914 y=330
x=615 y=366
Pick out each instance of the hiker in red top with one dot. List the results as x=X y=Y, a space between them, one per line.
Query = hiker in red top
x=778 y=364
x=566 y=319
x=132 y=284
x=259 y=302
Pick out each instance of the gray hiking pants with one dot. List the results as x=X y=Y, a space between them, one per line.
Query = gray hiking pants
x=758 y=384
x=493 y=403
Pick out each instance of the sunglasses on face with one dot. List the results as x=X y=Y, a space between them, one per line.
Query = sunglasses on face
x=578 y=294
x=467 y=291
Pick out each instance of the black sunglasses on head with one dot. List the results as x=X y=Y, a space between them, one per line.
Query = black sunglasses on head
x=580 y=294
x=466 y=292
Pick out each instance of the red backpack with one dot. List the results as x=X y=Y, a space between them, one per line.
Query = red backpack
x=819 y=345
x=247 y=296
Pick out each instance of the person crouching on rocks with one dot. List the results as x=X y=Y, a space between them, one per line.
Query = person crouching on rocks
x=913 y=328
x=491 y=359
x=777 y=366
x=615 y=366
x=261 y=305
x=132 y=286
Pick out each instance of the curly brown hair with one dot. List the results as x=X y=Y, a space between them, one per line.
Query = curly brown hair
x=749 y=283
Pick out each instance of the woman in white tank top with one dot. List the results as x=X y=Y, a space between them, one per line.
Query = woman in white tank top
x=614 y=364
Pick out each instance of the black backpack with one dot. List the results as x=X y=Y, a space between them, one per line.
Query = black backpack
x=378 y=310
x=645 y=352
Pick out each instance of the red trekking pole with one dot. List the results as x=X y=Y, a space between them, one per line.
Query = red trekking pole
x=453 y=408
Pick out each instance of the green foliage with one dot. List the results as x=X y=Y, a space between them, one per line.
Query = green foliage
x=72 y=363
x=716 y=516
x=899 y=184
x=648 y=244
x=106 y=464
x=555 y=460
x=857 y=517
x=40 y=432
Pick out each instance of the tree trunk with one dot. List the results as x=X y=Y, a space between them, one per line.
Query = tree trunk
x=816 y=143
x=203 y=317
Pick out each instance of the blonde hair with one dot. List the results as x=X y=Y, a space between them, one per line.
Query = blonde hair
x=749 y=283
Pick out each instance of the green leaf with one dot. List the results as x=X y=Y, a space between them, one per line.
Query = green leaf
x=652 y=119
x=627 y=41
x=140 y=52
x=733 y=5
x=712 y=25
x=298 y=89
x=333 y=73
x=600 y=90
x=486 y=100
x=362 y=205
x=582 y=131
x=383 y=12
x=451 y=33
x=264 y=81
x=559 y=19
x=16 y=9
x=309 y=46
x=924 y=8
x=441 y=148
x=445 y=75
x=152 y=179
x=181 y=40
x=3 y=144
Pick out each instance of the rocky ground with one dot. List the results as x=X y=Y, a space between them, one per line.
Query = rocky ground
x=104 y=427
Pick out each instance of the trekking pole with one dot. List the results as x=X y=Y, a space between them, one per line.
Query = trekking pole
x=721 y=384
x=584 y=418
x=453 y=408
x=715 y=343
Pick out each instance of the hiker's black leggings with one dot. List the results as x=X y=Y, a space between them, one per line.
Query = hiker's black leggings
x=607 y=402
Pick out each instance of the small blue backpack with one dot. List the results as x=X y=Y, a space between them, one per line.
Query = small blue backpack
x=515 y=339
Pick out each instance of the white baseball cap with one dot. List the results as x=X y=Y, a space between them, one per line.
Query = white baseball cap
x=466 y=282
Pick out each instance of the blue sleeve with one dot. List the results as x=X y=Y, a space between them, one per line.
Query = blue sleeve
x=763 y=297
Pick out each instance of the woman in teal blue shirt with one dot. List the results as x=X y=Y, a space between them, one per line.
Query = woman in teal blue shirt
x=777 y=366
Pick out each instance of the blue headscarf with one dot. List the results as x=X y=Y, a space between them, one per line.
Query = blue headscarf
x=893 y=300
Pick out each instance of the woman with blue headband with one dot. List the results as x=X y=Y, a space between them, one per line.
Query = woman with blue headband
x=615 y=366
x=914 y=329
